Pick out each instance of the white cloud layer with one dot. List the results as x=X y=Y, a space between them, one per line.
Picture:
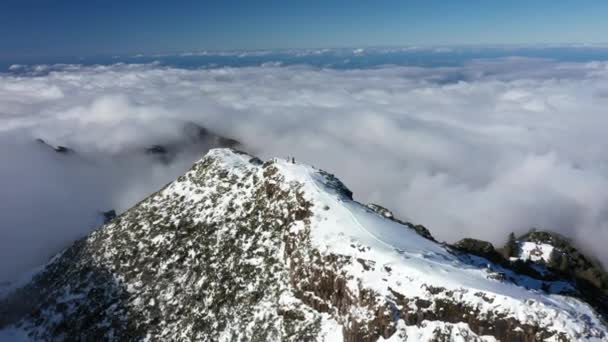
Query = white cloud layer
x=481 y=150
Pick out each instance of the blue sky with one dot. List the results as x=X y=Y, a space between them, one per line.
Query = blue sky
x=83 y=28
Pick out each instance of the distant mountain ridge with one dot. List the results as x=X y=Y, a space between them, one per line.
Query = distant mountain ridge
x=239 y=249
x=194 y=138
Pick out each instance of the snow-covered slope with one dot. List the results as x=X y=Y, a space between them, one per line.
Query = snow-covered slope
x=244 y=250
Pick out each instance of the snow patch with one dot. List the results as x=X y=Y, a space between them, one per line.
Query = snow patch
x=535 y=251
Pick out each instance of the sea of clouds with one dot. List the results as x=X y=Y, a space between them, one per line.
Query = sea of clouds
x=478 y=150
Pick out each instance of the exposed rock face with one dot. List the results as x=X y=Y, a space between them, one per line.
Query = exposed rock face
x=418 y=228
x=480 y=248
x=241 y=250
x=108 y=215
x=381 y=210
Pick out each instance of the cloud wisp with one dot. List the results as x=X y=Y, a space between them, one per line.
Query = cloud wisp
x=480 y=150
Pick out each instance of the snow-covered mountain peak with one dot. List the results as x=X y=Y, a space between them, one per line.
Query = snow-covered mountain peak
x=239 y=249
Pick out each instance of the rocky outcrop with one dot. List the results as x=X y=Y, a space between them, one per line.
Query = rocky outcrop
x=59 y=149
x=553 y=256
x=418 y=228
x=108 y=215
x=480 y=248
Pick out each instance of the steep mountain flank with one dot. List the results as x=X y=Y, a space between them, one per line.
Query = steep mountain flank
x=243 y=250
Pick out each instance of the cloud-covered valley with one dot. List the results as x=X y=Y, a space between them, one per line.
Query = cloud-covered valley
x=478 y=150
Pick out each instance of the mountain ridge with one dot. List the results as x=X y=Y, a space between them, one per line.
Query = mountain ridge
x=241 y=249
